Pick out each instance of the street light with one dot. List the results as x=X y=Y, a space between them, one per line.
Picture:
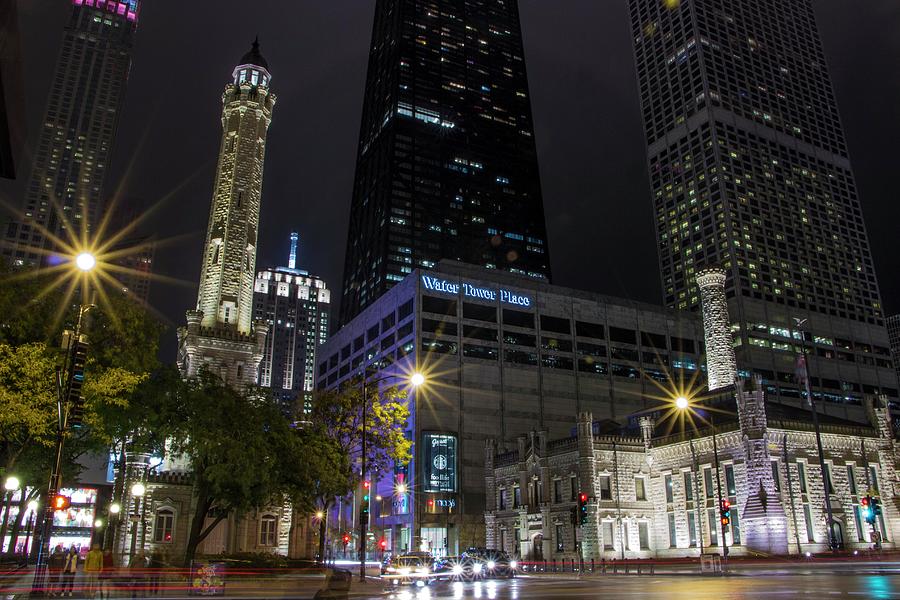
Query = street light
x=415 y=379
x=137 y=491
x=803 y=373
x=84 y=262
x=10 y=485
x=114 y=508
x=682 y=403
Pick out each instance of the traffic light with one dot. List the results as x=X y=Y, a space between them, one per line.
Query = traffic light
x=582 y=509
x=429 y=505
x=61 y=502
x=364 y=505
x=876 y=507
x=382 y=544
x=346 y=538
x=866 y=509
x=74 y=399
x=725 y=512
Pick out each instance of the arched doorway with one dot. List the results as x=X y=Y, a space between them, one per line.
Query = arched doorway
x=537 y=547
x=838 y=528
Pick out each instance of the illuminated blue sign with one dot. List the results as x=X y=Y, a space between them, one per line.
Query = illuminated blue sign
x=436 y=284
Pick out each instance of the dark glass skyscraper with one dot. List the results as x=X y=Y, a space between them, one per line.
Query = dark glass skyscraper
x=446 y=164
x=749 y=169
x=79 y=127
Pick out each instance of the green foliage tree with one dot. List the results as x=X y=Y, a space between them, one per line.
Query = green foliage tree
x=337 y=415
x=238 y=446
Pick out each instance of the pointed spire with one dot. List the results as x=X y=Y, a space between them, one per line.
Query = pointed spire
x=292 y=259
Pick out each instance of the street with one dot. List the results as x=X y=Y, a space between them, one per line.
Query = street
x=832 y=585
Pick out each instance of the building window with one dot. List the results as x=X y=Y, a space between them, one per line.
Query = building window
x=692 y=529
x=644 y=534
x=688 y=487
x=559 y=538
x=608 y=535
x=501 y=499
x=673 y=533
x=801 y=475
x=605 y=488
x=517 y=497
x=873 y=475
x=828 y=479
x=807 y=517
x=860 y=529
x=164 y=526
x=573 y=487
x=775 y=476
x=851 y=479
x=670 y=495
x=713 y=520
x=640 y=488
x=268 y=526
x=708 y=482
x=557 y=491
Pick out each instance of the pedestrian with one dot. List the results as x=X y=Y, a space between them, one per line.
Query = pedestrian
x=55 y=564
x=107 y=573
x=156 y=565
x=136 y=572
x=68 y=573
x=93 y=564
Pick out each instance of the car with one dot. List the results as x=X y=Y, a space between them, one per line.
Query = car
x=495 y=563
x=415 y=568
x=459 y=568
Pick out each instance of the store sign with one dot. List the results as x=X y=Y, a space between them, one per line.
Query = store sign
x=436 y=284
x=439 y=462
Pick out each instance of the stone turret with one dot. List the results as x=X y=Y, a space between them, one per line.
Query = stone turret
x=763 y=518
x=721 y=365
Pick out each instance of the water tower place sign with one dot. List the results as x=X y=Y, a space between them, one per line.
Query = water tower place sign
x=469 y=290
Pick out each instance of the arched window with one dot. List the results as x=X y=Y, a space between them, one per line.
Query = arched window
x=268 y=530
x=164 y=526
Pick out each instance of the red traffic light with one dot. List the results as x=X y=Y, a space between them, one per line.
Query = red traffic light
x=366 y=485
x=726 y=504
x=865 y=501
x=582 y=497
x=61 y=502
x=430 y=502
x=346 y=539
x=382 y=543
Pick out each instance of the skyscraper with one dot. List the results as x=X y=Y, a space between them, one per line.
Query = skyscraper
x=750 y=170
x=295 y=304
x=78 y=130
x=221 y=333
x=446 y=164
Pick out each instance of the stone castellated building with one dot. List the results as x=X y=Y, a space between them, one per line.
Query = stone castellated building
x=221 y=333
x=653 y=493
x=721 y=366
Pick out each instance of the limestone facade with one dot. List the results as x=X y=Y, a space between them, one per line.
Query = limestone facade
x=658 y=492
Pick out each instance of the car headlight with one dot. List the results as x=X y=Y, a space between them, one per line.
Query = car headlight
x=491 y=564
x=477 y=567
x=404 y=571
x=422 y=570
x=513 y=564
x=457 y=569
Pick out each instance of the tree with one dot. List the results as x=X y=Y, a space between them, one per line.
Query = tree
x=232 y=441
x=337 y=416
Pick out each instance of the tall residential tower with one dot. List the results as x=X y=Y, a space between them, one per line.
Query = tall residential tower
x=221 y=333
x=77 y=133
x=446 y=164
x=750 y=170
x=296 y=306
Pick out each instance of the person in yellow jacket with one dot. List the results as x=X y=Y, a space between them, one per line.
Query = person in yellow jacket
x=93 y=564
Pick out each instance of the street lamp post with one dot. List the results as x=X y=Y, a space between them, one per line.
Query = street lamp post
x=832 y=541
x=682 y=403
x=32 y=509
x=10 y=485
x=137 y=491
x=416 y=379
x=85 y=262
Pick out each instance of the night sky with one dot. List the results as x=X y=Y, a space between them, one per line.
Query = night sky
x=586 y=112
